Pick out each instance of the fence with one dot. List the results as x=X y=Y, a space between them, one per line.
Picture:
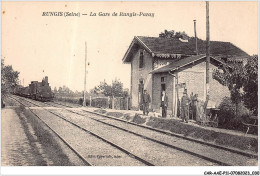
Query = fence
x=121 y=103
x=69 y=99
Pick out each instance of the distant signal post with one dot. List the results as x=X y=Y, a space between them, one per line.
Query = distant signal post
x=84 y=98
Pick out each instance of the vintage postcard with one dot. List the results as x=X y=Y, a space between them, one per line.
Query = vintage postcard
x=129 y=83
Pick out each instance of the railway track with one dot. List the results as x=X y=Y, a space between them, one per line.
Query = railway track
x=247 y=154
x=129 y=154
x=62 y=139
x=224 y=150
x=164 y=143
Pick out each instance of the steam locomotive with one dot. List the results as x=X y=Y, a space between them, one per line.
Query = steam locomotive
x=36 y=90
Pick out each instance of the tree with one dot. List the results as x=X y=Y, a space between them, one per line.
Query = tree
x=167 y=34
x=116 y=89
x=9 y=78
x=103 y=88
x=251 y=84
x=126 y=92
x=55 y=90
x=172 y=34
x=241 y=80
x=66 y=90
x=60 y=90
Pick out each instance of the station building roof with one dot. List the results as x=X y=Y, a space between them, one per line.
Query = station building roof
x=181 y=64
x=175 y=48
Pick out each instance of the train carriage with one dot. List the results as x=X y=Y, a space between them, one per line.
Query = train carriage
x=36 y=90
x=25 y=92
x=17 y=90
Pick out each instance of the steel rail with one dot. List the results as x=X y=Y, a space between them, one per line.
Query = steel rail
x=63 y=140
x=99 y=137
x=145 y=137
x=160 y=142
x=247 y=154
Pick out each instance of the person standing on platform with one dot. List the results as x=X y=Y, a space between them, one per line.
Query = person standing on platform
x=146 y=102
x=185 y=102
x=195 y=106
x=191 y=107
x=164 y=104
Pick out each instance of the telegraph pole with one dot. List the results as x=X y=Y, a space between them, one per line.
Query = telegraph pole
x=84 y=98
x=207 y=49
x=195 y=34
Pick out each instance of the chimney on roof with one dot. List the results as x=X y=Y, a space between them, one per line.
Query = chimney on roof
x=195 y=34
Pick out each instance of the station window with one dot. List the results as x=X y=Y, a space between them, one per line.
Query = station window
x=141 y=59
x=162 y=79
x=141 y=85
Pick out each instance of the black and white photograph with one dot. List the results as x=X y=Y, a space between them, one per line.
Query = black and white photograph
x=129 y=83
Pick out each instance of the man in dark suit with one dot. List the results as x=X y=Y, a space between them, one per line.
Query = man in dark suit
x=164 y=104
x=146 y=101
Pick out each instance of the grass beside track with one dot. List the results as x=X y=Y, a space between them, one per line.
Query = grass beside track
x=229 y=140
x=240 y=141
x=51 y=147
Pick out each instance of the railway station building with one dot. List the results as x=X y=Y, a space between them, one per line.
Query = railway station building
x=172 y=64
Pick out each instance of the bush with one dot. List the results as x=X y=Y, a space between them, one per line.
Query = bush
x=71 y=100
x=115 y=114
x=99 y=103
x=127 y=116
x=133 y=108
x=138 y=119
x=101 y=111
x=80 y=101
x=230 y=140
x=227 y=115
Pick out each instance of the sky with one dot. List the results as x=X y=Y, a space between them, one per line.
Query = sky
x=54 y=46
